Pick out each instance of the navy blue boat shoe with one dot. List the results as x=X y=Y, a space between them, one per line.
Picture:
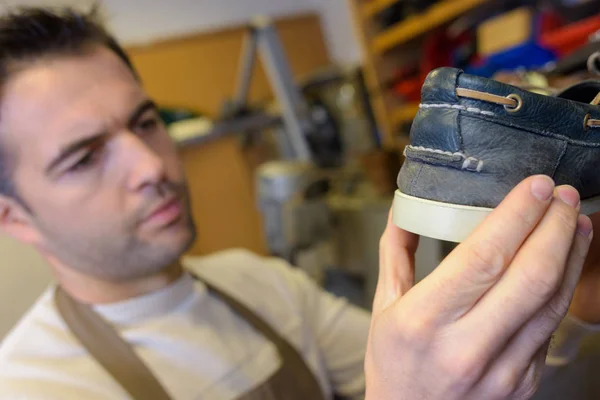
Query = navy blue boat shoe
x=474 y=139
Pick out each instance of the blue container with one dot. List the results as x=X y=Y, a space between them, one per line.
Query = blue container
x=528 y=55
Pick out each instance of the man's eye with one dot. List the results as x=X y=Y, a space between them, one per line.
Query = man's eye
x=87 y=161
x=147 y=125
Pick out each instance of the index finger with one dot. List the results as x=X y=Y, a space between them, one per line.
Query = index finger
x=479 y=262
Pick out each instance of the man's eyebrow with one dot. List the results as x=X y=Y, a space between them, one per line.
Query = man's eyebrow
x=74 y=147
x=71 y=148
x=140 y=110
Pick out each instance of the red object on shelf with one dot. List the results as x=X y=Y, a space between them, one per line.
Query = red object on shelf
x=437 y=52
x=570 y=37
x=410 y=89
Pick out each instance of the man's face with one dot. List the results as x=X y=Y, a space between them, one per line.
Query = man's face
x=104 y=189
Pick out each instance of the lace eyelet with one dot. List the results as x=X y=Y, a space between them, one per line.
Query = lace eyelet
x=585 y=122
x=593 y=63
x=516 y=108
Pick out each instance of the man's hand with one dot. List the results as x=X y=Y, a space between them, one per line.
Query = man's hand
x=479 y=326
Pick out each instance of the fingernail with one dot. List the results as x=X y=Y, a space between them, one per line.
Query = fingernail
x=542 y=187
x=584 y=226
x=569 y=195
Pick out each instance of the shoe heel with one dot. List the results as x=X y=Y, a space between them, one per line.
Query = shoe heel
x=437 y=220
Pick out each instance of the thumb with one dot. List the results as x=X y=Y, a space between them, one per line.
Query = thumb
x=396 y=265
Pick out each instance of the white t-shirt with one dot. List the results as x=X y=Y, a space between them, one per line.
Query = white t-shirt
x=195 y=345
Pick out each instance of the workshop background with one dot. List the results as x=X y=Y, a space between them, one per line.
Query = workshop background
x=291 y=115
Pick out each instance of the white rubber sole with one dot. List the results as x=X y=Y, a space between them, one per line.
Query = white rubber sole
x=449 y=222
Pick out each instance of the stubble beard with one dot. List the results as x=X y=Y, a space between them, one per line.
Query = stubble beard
x=131 y=258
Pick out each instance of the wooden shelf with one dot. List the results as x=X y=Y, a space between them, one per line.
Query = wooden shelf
x=372 y=75
x=436 y=15
x=380 y=64
x=405 y=113
x=375 y=6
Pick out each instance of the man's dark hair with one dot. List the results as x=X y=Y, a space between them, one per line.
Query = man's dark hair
x=28 y=34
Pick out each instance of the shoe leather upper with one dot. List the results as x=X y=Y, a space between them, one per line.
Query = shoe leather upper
x=540 y=114
x=472 y=152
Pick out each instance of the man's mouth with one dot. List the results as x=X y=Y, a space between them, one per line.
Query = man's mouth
x=165 y=213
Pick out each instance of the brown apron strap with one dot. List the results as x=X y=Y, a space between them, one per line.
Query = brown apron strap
x=106 y=346
x=119 y=359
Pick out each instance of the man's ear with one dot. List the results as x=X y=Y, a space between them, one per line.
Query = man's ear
x=16 y=221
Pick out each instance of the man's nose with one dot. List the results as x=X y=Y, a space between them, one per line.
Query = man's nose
x=145 y=167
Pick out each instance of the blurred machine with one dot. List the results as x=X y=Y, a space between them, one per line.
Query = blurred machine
x=292 y=198
x=319 y=211
x=292 y=190
x=326 y=126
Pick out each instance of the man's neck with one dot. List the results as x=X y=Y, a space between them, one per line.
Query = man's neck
x=91 y=290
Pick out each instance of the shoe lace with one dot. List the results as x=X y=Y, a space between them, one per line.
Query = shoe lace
x=513 y=102
x=593 y=65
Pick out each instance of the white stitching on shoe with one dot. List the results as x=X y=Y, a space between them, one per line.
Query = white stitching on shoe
x=466 y=163
x=462 y=155
x=458 y=107
x=479 y=165
x=512 y=103
x=591 y=123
